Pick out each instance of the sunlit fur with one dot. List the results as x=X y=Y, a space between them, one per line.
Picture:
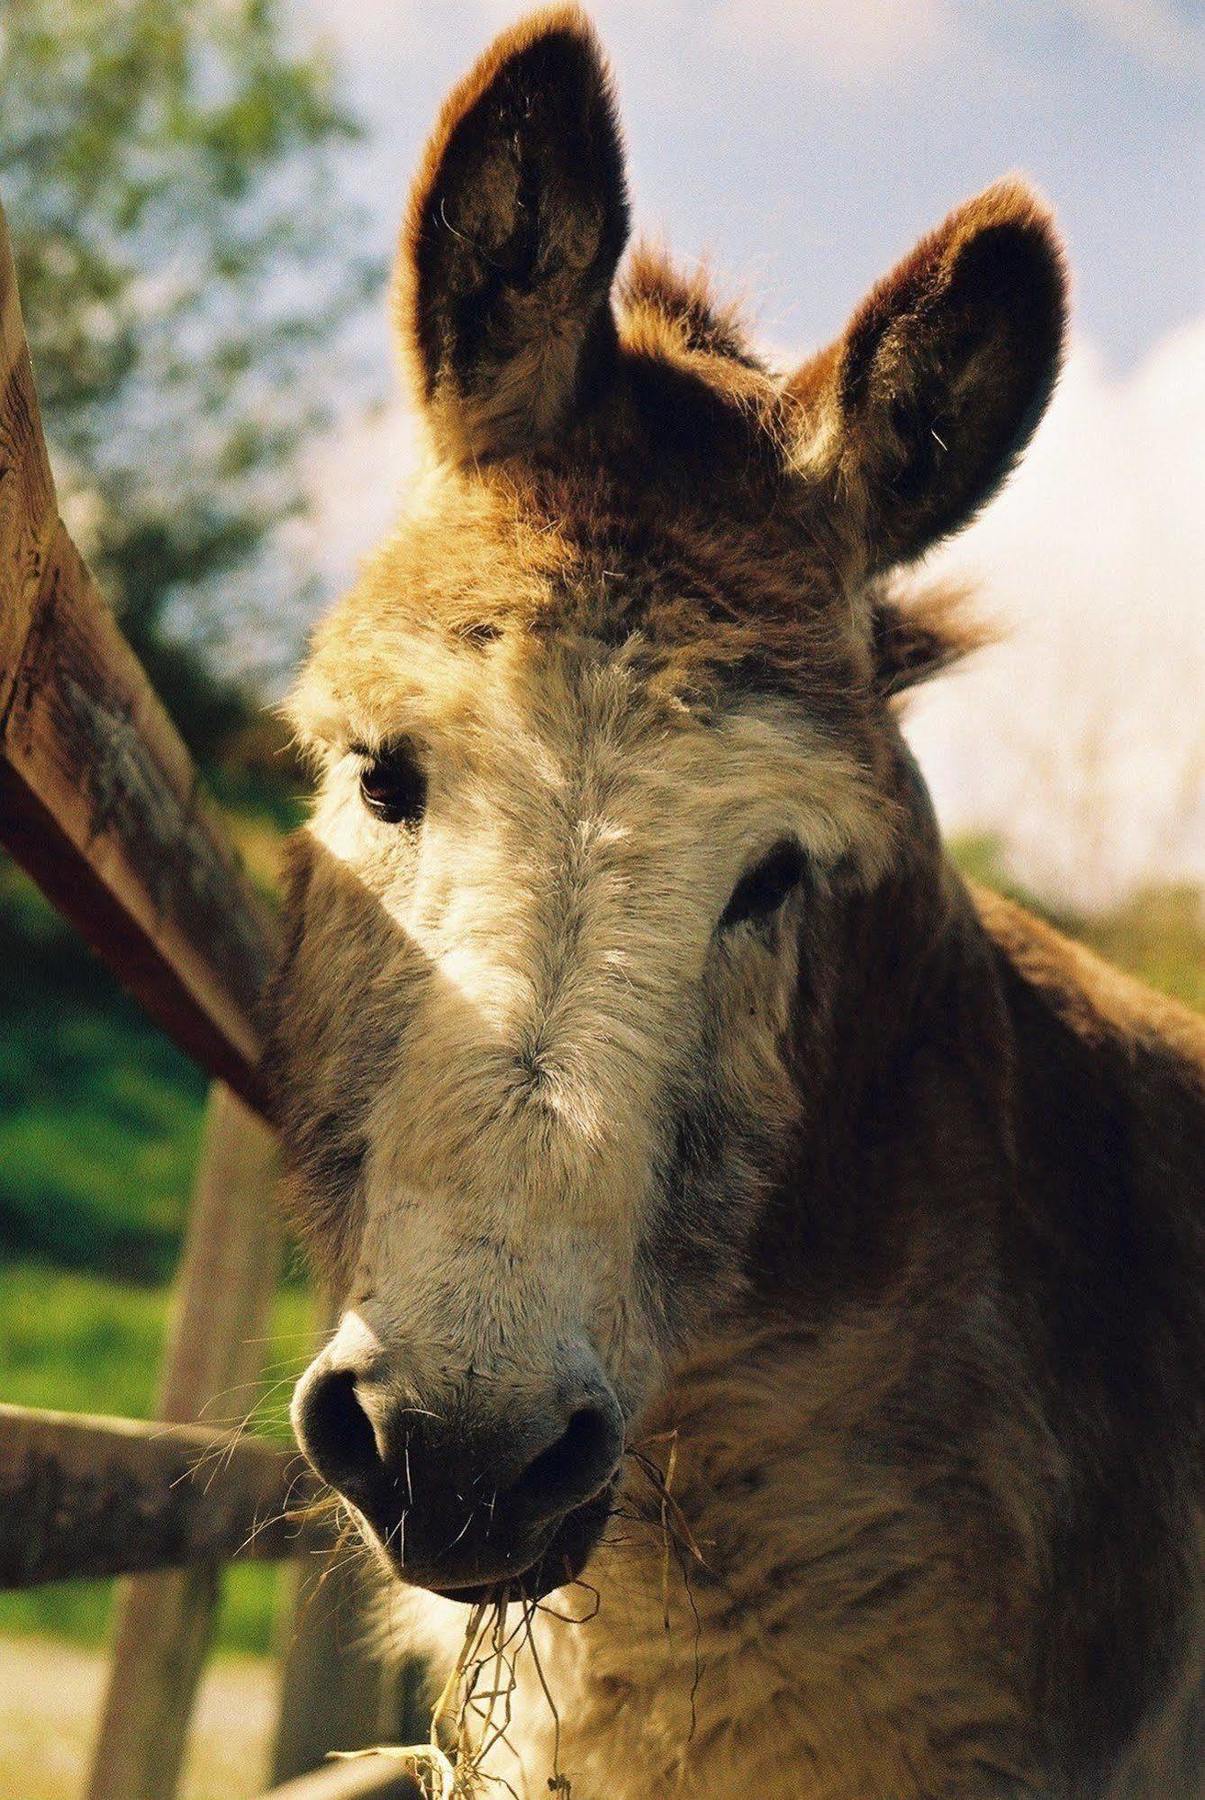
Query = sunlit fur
x=877 y=1212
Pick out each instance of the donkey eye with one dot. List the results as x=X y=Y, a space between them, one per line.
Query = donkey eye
x=762 y=889
x=393 y=786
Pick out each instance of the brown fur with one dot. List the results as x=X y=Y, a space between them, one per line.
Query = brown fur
x=883 y=1206
x=502 y=286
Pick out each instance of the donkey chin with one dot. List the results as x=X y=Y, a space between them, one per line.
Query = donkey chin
x=482 y=1565
x=552 y=1555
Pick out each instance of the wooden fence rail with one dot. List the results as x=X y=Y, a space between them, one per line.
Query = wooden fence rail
x=100 y=803
x=96 y=1496
x=165 y=1622
x=99 y=799
x=375 y=1778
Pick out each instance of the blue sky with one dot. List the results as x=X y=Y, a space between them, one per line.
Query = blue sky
x=803 y=144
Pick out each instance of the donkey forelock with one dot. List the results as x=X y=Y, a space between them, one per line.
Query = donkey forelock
x=606 y=754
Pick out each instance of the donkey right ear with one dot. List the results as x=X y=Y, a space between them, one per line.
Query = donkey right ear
x=922 y=408
x=516 y=225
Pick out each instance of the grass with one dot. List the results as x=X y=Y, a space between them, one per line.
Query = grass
x=100 y=1121
x=100 y=1115
x=82 y=1342
x=80 y=1612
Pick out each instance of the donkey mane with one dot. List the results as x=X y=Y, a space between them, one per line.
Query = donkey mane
x=672 y=312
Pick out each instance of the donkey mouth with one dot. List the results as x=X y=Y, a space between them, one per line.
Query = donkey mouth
x=557 y=1563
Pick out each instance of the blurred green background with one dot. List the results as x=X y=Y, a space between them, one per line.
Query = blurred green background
x=191 y=296
x=191 y=291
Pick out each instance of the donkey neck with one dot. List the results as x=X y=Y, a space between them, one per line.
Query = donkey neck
x=904 y=1055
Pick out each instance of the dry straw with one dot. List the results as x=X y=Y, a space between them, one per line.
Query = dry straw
x=473 y=1715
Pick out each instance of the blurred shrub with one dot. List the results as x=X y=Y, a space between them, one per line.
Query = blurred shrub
x=167 y=169
x=100 y=1115
x=1157 y=934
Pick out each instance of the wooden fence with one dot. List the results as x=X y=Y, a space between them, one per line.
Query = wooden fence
x=100 y=802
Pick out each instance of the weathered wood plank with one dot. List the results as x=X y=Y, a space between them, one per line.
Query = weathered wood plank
x=86 y=1496
x=27 y=504
x=375 y=1778
x=333 y=1689
x=223 y=1299
x=99 y=799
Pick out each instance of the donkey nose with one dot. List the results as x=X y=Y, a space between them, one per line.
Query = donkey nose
x=336 y=1432
x=572 y=1464
x=355 y=1439
x=465 y=1496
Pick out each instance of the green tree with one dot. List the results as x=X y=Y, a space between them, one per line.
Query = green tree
x=186 y=261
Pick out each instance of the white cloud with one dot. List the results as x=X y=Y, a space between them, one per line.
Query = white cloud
x=1080 y=740
x=850 y=43
x=364 y=25
x=845 y=42
x=355 y=479
x=865 y=43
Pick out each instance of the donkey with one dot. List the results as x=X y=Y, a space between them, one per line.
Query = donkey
x=756 y=1247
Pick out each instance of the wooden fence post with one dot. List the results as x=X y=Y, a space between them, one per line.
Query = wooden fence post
x=332 y=1692
x=337 y=1693
x=165 y=1621
x=100 y=802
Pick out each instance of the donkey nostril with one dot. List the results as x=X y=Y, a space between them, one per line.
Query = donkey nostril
x=336 y=1433
x=571 y=1470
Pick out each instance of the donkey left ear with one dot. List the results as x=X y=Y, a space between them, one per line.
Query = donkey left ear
x=924 y=406
x=515 y=227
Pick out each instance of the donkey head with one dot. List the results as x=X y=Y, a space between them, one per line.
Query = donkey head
x=608 y=770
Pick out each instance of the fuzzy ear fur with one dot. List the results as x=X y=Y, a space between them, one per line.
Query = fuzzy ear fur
x=516 y=225
x=917 y=634
x=921 y=410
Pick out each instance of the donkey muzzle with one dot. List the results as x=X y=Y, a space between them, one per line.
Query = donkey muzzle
x=482 y=1491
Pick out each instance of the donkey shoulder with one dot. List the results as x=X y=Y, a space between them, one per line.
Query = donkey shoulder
x=1109 y=1120
x=1106 y=1253
x=1109 y=1028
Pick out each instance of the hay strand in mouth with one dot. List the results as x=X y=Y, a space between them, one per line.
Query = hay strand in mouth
x=472 y=1715
x=676 y=1536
